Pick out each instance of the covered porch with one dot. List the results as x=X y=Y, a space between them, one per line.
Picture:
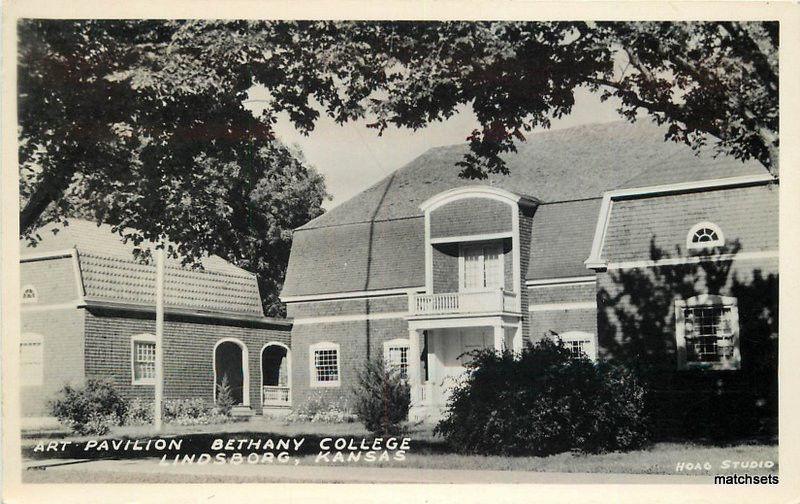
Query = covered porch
x=444 y=344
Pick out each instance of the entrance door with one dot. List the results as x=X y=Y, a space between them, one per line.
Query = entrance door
x=229 y=363
x=275 y=389
x=453 y=347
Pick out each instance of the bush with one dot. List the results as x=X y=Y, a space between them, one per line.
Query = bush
x=225 y=400
x=544 y=402
x=319 y=408
x=382 y=397
x=139 y=412
x=193 y=412
x=90 y=409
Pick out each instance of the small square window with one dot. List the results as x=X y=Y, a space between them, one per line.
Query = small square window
x=707 y=333
x=324 y=365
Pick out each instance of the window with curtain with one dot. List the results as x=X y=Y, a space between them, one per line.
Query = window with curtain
x=482 y=266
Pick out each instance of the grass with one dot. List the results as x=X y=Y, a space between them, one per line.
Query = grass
x=427 y=452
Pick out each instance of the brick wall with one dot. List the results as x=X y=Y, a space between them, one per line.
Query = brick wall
x=470 y=216
x=394 y=303
x=62 y=348
x=525 y=227
x=558 y=319
x=445 y=267
x=188 y=352
x=353 y=338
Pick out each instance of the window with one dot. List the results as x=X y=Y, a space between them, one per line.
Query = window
x=31 y=360
x=704 y=235
x=707 y=332
x=143 y=359
x=395 y=354
x=579 y=343
x=481 y=267
x=29 y=294
x=324 y=364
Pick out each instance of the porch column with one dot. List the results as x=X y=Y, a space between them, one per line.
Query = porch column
x=518 y=338
x=414 y=368
x=499 y=337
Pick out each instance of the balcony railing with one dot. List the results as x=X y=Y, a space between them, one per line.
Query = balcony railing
x=275 y=396
x=462 y=302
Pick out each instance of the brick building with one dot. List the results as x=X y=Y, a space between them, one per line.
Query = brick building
x=88 y=312
x=632 y=249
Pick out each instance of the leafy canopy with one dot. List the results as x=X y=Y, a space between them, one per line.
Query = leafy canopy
x=142 y=124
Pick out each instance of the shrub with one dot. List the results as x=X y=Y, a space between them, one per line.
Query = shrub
x=90 y=409
x=382 y=397
x=543 y=402
x=193 y=412
x=319 y=408
x=225 y=401
x=139 y=412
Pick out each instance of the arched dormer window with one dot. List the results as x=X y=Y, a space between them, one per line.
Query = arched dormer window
x=705 y=235
x=30 y=294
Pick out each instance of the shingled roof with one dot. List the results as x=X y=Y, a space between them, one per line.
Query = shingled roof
x=112 y=275
x=567 y=170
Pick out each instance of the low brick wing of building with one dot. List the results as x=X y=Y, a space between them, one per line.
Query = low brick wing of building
x=88 y=312
x=631 y=249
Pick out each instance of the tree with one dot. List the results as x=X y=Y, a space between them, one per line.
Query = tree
x=146 y=121
x=155 y=147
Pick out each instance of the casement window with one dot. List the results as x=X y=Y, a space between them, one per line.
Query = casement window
x=580 y=343
x=324 y=364
x=481 y=267
x=143 y=359
x=704 y=235
x=31 y=360
x=30 y=294
x=707 y=332
x=395 y=354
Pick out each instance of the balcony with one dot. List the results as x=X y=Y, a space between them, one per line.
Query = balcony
x=458 y=303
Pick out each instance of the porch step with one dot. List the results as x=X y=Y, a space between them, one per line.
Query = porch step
x=241 y=411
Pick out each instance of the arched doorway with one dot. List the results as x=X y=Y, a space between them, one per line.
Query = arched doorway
x=275 y=375
x=230 y=361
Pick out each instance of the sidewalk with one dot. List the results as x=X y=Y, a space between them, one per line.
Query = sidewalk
x=354 y=474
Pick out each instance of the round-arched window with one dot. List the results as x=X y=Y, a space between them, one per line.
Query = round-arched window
x=705 y=235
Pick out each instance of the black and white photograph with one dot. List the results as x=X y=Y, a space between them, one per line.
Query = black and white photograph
x=379 y=251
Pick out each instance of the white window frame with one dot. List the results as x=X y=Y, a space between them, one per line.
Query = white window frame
x=312 y=368
x=462 y=264
x=719 y=242
x=397 y=343
x=34 y=299
x=591 y=350
x=680 y=332
x=27 y=339
x=140 y=338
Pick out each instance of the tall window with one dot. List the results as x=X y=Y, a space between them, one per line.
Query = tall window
x=143 y=357
x=705 y=235
x=324 y=364
x=395 y=354
x=707 y=332
x=31 y=360
x=482 y=266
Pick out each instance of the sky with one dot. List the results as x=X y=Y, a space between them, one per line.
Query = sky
x=352 y=157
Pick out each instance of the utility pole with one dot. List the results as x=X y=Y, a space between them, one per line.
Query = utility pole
x=159 y=388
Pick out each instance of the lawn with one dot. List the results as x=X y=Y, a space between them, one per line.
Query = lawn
x=427 y=452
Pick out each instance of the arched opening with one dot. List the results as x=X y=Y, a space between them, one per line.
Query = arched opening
x=275 y=375
x=230 y=364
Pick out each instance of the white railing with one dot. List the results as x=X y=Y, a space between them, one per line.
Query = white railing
x=275 y=396
x=462 y=302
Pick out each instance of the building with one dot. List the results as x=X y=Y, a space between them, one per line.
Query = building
x=632 y=249
x=88 y=312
